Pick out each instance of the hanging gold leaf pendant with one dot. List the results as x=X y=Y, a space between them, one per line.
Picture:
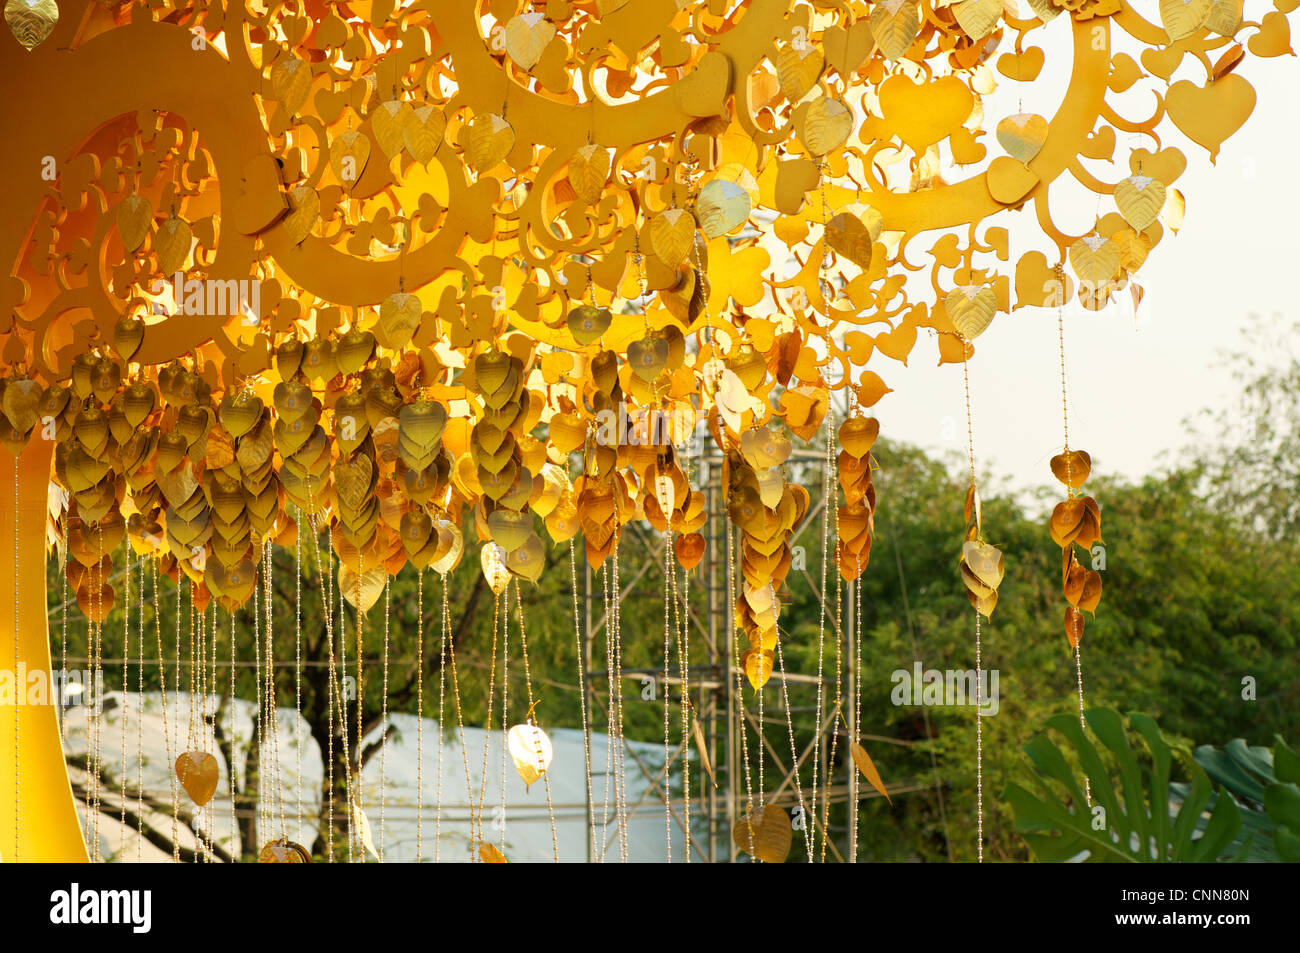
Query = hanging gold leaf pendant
x=32 y=21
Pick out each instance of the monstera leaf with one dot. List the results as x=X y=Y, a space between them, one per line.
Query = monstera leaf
x=1263 y=783
x=1131 y=818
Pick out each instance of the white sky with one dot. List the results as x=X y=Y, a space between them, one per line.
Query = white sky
x=1130 y=387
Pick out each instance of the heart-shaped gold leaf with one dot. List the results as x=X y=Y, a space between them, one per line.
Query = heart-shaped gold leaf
x=765 y=834
x=895 y=25
x=32 y=21
x=134 y=219
x=304 y=210
x=1023 y=135
x=825 y=126
x=173 y=244
x=971 y=309
x=291 y=82
x=198 y=773
x=672 y=233
x=798 y=69
x=399 y=318
x=349 y=153
x=1072 y=467
x=589 y=171
x=721 y=207
x=847 y=236
x=648 y=357
x=487 y=140
x=1094 y=258
x=1139 y=199
x=587 y=323
x=526 y=36
x=388 y=123
x=423 y=131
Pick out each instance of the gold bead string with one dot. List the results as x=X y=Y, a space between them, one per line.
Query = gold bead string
x=272 y=700
x=477 y=822
x=1065 y=421
x=162 y=684
x=96 y=712
x=681 y=637
x=611 y=729
x=505 y=704
x=358 y=787
x=383 y=729
x=297 y=672
x=582 y=696
x=532 y=702
x=139 y=720
x=620 y=790
x=338 y=669
x=63 y=639
x=839 y=669
x=668 y=810
x=739 y=675
x=794 y=754
x=979 y=727
x=126 y=672
x=18 y=787
x=856 y=622
x=349 y=793
x=260 y=825
x=681 y=622
x=829 y=506
x=448 y=651
x=419 y=721
x=236 y=837
x=327 y=604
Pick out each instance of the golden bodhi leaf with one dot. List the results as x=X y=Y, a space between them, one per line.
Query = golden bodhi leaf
x=765 y=834
x=977 y=18
x=32 y=21
x=134 y=216
x=531 y=751
x=1072 y=467
x=491 y=854
x=291 y=82
x=198 y=773
x=1073 y=626
x=826 y=125
x=422 y=132
x=1094 y=258
x=487 y=140
x=702 y=746
x=971 y=309
x=868 y=769
x=173 y=244
x=721 y=207
x=304 y=209
x=283 y=852
x=671 y=235
x=1182 y=18
x=894 y=25
x=589 y=171
x=349 y=153
x=1139 y=199
x=388 y=123
x=797 y=70
x=399 y=316
x=1022 y=135
x=847 y=236
x=526 y=37
x=984 y=561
